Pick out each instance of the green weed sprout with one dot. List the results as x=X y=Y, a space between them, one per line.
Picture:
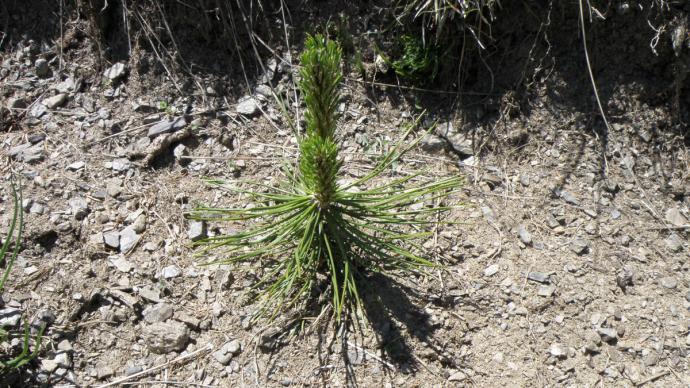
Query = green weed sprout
x=314 y=230
x=418 y=61
x=6 y=259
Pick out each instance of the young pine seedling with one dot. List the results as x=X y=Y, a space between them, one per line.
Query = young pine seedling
x=314 y=229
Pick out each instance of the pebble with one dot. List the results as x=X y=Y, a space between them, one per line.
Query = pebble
x=247 y=106
x=79 y=207
x=668 y=282
x=569 y=198
x=171 y=271
x=624 y=278
x=55 y=101
x=675 y=217
x=122 y=264
x=120 y=164
x=139 y=224
x=225 y=354
x=608 y=334
x=615 y=214
x=197 y=230
x=128 y=239
x=10 y=316
x=167 y=126
x=557 y=350
x=16 y=103
x=432 y=143
x=524 y=235
x=539 y=277
x=674 y=243
x=115 y=71
x=457 y=376
x=166 y=337
x=579 y=246
x=546 y=291
x=111 y=239
x=158 y=313
x=41 y=68
x=180 y=151
x=491 y=270
x=76 y=166
x=150 y=294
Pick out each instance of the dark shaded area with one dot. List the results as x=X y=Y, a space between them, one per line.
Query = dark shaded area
x=394 y=315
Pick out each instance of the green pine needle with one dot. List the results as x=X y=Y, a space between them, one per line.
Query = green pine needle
x=315 y=226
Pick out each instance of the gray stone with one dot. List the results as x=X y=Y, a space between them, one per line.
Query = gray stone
x=120 y=164
x=433 y=143
x=233 y=347
x=171 y=271
x=27 y=152
x=158 y=313
x=546 y=291
x=122 y=264
x=569 y=198
x=79 y=207
x=115 y=71
x=104 y=371
x=166 y=337
x=524 y=235
x=38 y=110
x=457 y=376
x=167 y=126
x=668 y=282
x=675 y=217
x=687 y=296
x=48 y=365
x=111 y=239
x=150 y=294
x=10 y=316
x=608 y=334
x=263 y=91
x=63 y=360
x=624 y=278
x=491 y=270
x=223 y=279
x=139 y=224
x=674 y=242
x=16 y=103
x=128 y=239
x=222 y=356
x=180 y=151
x=114 y=188
x=579 y=246
x=247 y=106
x=590 y=212
x=133 y=369
x=197 y=230
x=558 y=350
x=66 y=86
x=41 y=67
x=55 y=101
x=539 y=277
x=615 y=214
x=76 y=166
x=551 y=221
x=524 y=180
x=37 y=208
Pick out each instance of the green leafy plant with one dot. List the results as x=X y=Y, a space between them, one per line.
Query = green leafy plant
x=8 y=259
x=314 y=230
x=418 y=61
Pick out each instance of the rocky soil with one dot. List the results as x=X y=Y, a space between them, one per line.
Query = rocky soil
x=567 y=265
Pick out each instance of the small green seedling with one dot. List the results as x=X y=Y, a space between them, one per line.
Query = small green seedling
x=314 y=229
